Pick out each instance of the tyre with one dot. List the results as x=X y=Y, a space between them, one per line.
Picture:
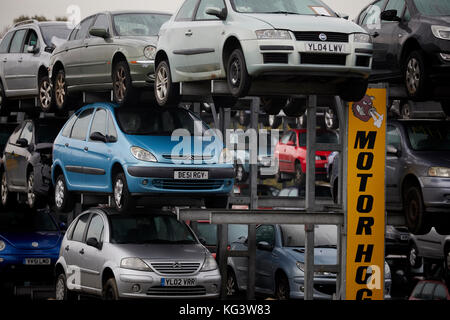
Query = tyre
x=62 y=293
x=415 y=75
x=273 y=105
x=406 y=111
x=415 y=261
x=167 y=93
x=224 y=102
x=282 y=290
x=33 y=200
x=123 y=90
x=243 y=118
x=331 y=120
x=241 y=175
x=238 y=79
x=272 y=121
x=3 y=102
x=46 y=100
x=7 y=198
x=63 y=198
x=354 y=90
x=295 y=107
x=416 y=220
x=217 y=202
x=122 y=197
x=60 y=91
x=110 y=290
x=232 y=286
x=300 y=176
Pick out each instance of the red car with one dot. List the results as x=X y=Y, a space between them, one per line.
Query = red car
x=290 y=154
x=430 y=290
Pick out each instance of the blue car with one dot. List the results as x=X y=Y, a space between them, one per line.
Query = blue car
x=30 y=242
x=166 y=155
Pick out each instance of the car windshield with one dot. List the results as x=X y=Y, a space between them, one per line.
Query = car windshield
x=325 y=236
x=139 y=24
x=158 y=122
x=209 y=232
x=47 y=132
x=26 y=221
x=429 y=136
x=5 y=133
x=304 y=7
x=55 y=34
x=149 y=229
x=321 y=137
x=433 y=7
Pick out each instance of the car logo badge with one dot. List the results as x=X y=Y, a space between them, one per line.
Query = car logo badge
x=176 y=265
x=35 y=244
x=323 y=37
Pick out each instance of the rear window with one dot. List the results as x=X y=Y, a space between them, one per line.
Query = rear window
x=4 y=45
x=78 y=232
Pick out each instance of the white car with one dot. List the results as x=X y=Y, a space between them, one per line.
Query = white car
x=299 y=44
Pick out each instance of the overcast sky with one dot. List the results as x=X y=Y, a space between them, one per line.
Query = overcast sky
x=10 y=9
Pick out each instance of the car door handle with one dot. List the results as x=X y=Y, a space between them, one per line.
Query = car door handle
x=5 y=59
x=66 y=48
x=20 y=60
x=189 y=33
x=67 y=248
x=86 y=149
x=82 y=251
x=375 y=34
x=66 y=145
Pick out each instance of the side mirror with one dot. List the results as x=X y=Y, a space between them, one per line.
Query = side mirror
x=62 y=226
x=393 y=151
x=219 y=13
x=23 y=143
x=263 y=245
x=344 y=16
x=97 y=136
x=390 y=15
x=92 y=242
x=99 y=32
x=32 y=49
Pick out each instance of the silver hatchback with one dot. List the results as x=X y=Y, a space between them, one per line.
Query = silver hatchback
x=136 y=255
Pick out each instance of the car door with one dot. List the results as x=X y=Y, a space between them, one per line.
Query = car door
x=205 y=40
x=4 y=55
x=97 y=53
x=291 y=151
x=75 y=163
x=92 y=259
x=98 y=154
x=430 y=245
x=282 y=151
x=23 y=154
x=11 y=162
x=394 y=167
x=13 y=79
x=264 y=258
x=29 y=66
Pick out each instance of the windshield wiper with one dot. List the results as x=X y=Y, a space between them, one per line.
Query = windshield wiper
x=283 y=12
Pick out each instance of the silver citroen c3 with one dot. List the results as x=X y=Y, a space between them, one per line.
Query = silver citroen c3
x=135 y=255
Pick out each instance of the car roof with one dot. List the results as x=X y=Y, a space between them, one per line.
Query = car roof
x=134 y=12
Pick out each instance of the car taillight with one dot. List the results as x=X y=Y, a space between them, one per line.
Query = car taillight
x=214 y=255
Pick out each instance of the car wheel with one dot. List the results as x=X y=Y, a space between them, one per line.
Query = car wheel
x=241 y=175
x=282 y=290
x=123 y=90
x=331 y=120
x=232 y=286
x=238 y=79
x=405 y=110
x=300 y=176
x=295 y=107
x=273 y=105
x=354 y=90
x=122 y=197
x=63 y=198
x=167 y=93
x=243 y=118
x=110 y=290
x=62 y=293
x=7 y=198
x=415 y=75
x=46 y=100
x=60 y=91
x=33 y=200
x=416 y=220
x=3 y=111
x=415 y=261
x=218 y=202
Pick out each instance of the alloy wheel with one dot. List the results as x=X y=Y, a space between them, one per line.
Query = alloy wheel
x=45 y=94
x=231 y=284
x=118 y=192
x=235 y=73
x=406 y=111
x=4 y=190
x=120 y=84
x=239 y=173
x=31 y=197
x=413 y=74
x=59 y=193
x=60 y=89
x=329 y=118
x=60 y=289
x=162 y=83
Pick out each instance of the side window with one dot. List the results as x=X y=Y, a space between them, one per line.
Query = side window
x=74 y=32
x=205 y=4
x=393 y=137
x=95 y=229
x=101 y=22
x=286 y=137
x=31 y=40
x=15 y=135
x=373 y=13
x=78 y=232
x=68 y=127
x=265 y=233
x=186 y=12
x=398 y=5
x=99 y=122
x=427 y=292
x=407 y=15
x=27 y=132
x=112 y=132
x=440 y=293
x=84 y=28
x=81 y=126
x=17 y=41
x=293 y=138
x=4 y=46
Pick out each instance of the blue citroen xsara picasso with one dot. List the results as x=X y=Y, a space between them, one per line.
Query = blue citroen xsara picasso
x=132 y=154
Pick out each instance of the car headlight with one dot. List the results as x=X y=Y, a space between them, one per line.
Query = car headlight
x=362 y=38
x=439 y=172
x=273 y=34
x=387 y=271
x=2 y=245
x=134 y=264
x=441 y=32
x=209 y=264
x=226 y=156
x=150 y=52
x=143 y=155
x=301 y=266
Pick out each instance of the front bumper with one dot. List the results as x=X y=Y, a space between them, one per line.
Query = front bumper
x=142 y=72
x=436 y=194
x=207 y=285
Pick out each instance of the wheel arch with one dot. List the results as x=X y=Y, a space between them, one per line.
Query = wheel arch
x=409 y=180
x=56 y=68
x=229 y=45
x=410 y=45
x=106 y=275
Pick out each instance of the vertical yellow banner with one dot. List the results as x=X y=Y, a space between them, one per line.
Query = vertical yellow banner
x=366 y=197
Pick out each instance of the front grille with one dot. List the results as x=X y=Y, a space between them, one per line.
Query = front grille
x=170 y=184
x=323 y=58
x=175 y=267
x=186 y=158
x=275 y=58
x=314 y=36
x=176 y=291
x=362 y=61
x=328 y=289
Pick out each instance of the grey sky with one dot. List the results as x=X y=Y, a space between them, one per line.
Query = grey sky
x=52 y=8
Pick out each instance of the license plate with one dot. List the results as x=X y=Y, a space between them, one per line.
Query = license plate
x=37 y=261
x=191 y=175
x=326 y=47
x=173 y=282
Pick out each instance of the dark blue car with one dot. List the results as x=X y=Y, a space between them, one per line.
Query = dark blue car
x=30 y=241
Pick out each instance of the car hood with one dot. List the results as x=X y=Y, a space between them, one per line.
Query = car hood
x=437 y=20
x=171 y=252
x=433 y=158
x=322 y=256
x=32 y=240
x=308 y=23
x=138 y=40
x=162 y=146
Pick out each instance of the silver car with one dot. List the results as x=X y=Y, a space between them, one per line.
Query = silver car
x=276 y=43
x=137 y=255
x=24 y=59
x=109 y=50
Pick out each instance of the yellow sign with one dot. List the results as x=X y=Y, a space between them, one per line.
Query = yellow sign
x=366 y=197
